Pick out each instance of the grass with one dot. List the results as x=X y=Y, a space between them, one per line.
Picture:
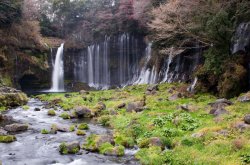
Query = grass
x=175 y=127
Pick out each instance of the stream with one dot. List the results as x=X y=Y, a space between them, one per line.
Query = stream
x=34 y=148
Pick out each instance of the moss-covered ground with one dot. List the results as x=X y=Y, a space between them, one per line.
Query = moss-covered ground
x=190 y=136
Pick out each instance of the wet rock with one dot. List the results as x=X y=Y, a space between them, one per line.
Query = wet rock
x=82 y=111
x=7 y=118
x=2 y=132
x=37 y=109
x=83 y=92
x=247 y=119
x=16 y=127
x=122 y=105
x=59 y=127
x=69 y=148
x=244 y=98
x=135 y=106
x=1 y=117
x=175 y=97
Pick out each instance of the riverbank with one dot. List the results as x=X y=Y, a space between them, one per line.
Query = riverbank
x=167 y=123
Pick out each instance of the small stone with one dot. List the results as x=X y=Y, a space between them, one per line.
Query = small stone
x=59 y=127
x=247 y=119
x=122 y=105
x=175 y=97
x=83 y=92
x=100 y=106
x=37 y=109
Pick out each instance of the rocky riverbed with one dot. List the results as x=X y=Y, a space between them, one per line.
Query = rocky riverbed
x=34 y=148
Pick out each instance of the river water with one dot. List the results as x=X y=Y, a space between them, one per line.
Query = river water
x=34 y=148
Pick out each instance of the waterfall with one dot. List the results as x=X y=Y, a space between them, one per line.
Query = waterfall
x=191 y=88
x=147 y=75
x=58 y=72
x=167 y=73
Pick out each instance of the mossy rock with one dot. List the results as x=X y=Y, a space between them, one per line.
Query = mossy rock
x=83 y=126
x=72 y=128
x=51 y=112
x=80 y=133
x=109 y=149
x=44 y=131
x=124 y=140
x=7 y=139
x=69 y=148
x=65 y=115
x=94 y=142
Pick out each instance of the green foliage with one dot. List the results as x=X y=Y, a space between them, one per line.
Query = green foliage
x=72 y=128
x=26 y=107
x=245 y=158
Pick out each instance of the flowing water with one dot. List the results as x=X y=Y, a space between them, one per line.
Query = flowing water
x=34 y=148
x=58 y=72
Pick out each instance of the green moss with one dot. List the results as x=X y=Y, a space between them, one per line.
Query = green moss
x=26 y=107
x=65 y=115
x=44 y=131
x=151 y=156
x=51 y=112
x=104 y=120
x=80 y=133
x=83 y=126
x=72 y=128
x=90 y=143
x=63 y=149
x=7 y=139
x=106 y=148
x=124 y=141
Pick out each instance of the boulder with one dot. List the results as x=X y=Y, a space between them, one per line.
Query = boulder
x=69 y=148
x=218 y=112
x=82 y=111
x=218 y=107
x=247 y=119
x=241 y=126
x=135 y=106
x=220 y=103
x=244 y=98
x=16 y=127
x=7 y=118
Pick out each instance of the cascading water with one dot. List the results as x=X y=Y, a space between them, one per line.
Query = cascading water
x=167 y=77
x=147 y=75
x=113 y=62
x=58 y=72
